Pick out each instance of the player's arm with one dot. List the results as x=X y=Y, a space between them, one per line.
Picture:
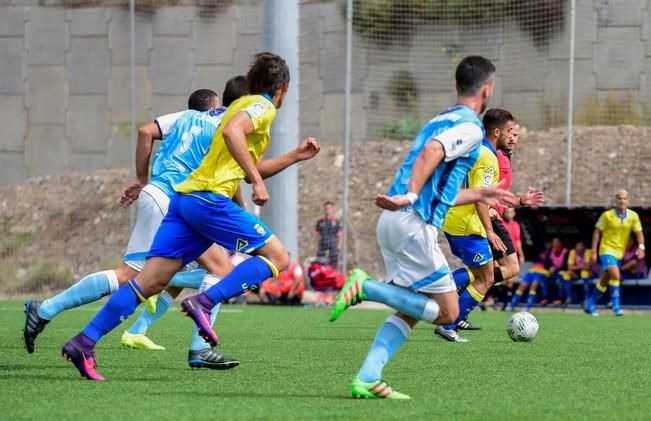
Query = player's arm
x=270 y=167
x=639 y=235
x=146 y=136
x=519 y=251
x=480 y=176
x=596 y=236
x=492 y=195
x=234 y=134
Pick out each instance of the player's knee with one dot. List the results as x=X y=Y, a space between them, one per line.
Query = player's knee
x=124 y=273
x=448 y=314
x=510 y=270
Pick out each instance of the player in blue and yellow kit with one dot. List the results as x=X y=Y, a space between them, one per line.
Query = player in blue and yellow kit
x=202 y=212
x=465 y=232
x=613 y=228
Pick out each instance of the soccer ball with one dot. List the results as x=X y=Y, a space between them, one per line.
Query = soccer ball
x=522 y=327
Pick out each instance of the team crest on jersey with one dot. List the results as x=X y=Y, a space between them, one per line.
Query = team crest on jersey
x=478 y=257
x=241 y=244
x=259 y=229
x=488 y=177
x=257 y=109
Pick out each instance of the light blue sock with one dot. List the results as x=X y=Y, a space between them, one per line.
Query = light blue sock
x=468 y=300
x=197 y=343
x=388 y=339
x=90 y=288
x=188 y=279
x=147 y=319
x=404 y=300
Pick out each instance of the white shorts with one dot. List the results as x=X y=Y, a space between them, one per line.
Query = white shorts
x=411 y=253
x=152 y=208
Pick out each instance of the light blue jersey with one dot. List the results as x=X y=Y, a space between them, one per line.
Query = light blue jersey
x=184 y=147
x=460 y=131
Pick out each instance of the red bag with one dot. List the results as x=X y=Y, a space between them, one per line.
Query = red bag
x=325 y=277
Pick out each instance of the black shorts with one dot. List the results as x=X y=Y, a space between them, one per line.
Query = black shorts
x=501 y=232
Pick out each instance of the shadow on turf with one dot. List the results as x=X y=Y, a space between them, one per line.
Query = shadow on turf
x=248 y=395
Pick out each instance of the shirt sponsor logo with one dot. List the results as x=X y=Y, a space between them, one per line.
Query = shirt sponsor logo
x=478 y=257
x=241 y=244
x=257 y=109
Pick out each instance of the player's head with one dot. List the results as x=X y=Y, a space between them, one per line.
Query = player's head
x=557 y=244
x=329 y=208
x=509 y=214
x=621 y=199
x=235 y=87
x=475 y=78
x=498 y=123
x=580 y=246
x=203 y=100
x=513 y=138
x=269 y=74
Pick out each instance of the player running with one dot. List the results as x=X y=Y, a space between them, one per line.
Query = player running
x=418 y=282
x=202 y=212
x=613 y=228
x=474 y=235
x=185 y=136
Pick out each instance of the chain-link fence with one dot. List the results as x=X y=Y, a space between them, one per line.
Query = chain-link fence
x=65 y=89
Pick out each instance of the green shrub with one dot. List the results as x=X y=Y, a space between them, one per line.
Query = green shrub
x=612 y=111
x=405 y=128
x=401 y=86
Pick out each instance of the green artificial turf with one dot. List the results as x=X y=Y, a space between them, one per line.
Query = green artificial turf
x=297 y=365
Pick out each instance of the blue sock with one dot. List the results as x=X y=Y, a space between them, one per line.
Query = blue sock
x=597 y=292
x=147 y=319
x=586 y=290
x=197 y=343
x=515 y=300
x=404 y=300
x=90 y=288
x=120 y=306
x=615 y=294
x=462 y=277
x=531 y=299
x=250 y=273
x=388 y=339
x=188 y=279
x=468 y=300
x=544 y=287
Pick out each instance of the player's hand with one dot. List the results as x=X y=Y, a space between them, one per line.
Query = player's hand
x=391 y=203
x=532 y=198
x=259 y=196
x=593 y=258
x=496 y=241
x=308 y=149
x=493 y=214
x=496 y=195
x=130 y=193
x=640 y=254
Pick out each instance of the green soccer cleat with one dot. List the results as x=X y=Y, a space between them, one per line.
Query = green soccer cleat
x=150 y=303
x=378 y=389
x=352 y=293
x=139 y=341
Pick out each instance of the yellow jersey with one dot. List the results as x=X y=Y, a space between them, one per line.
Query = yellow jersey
x=616 y=230
x=219 y=172
x=464 y=220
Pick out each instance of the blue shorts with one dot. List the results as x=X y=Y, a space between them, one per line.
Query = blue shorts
x=608 y=260
x=197 y=220
x=473 y=250
x=531 y=277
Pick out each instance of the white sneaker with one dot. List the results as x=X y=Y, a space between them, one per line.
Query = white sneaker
x=449 y=335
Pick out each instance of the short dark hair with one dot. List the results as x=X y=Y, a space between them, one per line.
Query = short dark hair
x=472 y=73
x=496 y=118
x=267 y=74
x=328 y=203
x=201 y=99
x=235 y=87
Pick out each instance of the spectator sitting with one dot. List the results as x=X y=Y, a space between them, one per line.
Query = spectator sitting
x=328 y=231
x=632 y=267
x=286 y=289
x=557 y=265
x=537 y=275
x=579 y=267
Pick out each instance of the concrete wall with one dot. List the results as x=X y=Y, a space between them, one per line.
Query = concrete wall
x=64 y=73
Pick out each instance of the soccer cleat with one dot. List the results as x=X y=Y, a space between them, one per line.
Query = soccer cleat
x=450 y=335
x=591 y=310
x=352 y=293
x=151 y=303
x=618 y=311
x=82 y=357
x=209 y=358
x=466 y=325
x=139 y=341
x=199 y=311
x=378 y=389
x=34 y=324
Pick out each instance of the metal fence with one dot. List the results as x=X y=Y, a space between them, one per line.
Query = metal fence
x=69 y=76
